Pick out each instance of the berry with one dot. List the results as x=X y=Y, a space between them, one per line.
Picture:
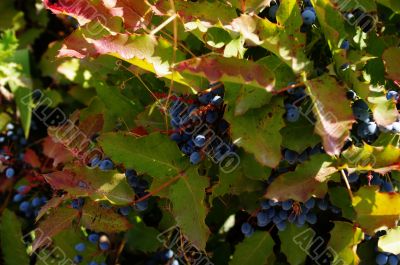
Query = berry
x=392 y=95
x=311 y=218
x=290 y=156
x=353 y=177
x=24 y=206
x=168 y=254
x=272 y=12
x=310 y=203
x=36 y=202
x=93 y=263
x=393 y=260
x=381 y=259
x=308 y=17
x=199 y=140
x=80 y=247
x=281 y=226
x=10 y=172
x=77 y=203
x=106 y=164
x=287 y=205
x=351 y=95
x=142 y=206
x=176 y=137
x=246 y=228
x=93 y=238
x=125 y=210
x=211 y=116
x=323 y=205
x=195 y=158
x=18 y=197
x=175 y=262
x=387 y=186
x=292 y=113
x=217 y=101
x=104 y=246
x=205 y=98
x=78 y=259
x=95 y=161
x=345 y=45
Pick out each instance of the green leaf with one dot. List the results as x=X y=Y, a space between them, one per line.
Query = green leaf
x=339 y=196
x=384 y=111
x=376 y=209
x=257 y=131
x=12 y=248
x=255 y=250
x=331 y=21
x=332 y=111
x=344 y=240
x=4 y=120
x=295 y=254
x=381 y=159
x=101 y=219
x=24 y=100
x=118 y=105
x=245 y=178
x=82 y=181
x=299 y=135
x=154 y=154
x=392 y=64
x=390 y=242
x=309 y=179
x=187 y=197
x=142 y=237
x=65 y=242
x=215 y=67
x=23 y=94
x=392 y=4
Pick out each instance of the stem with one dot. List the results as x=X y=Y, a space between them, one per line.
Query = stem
x=347 y=183
x=163 y=186
x=288 y=88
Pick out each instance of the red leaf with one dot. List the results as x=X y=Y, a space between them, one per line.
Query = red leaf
x=134 y=13
x=32 y=158
x=218 y=68
x=52 y=203
x=101 y=219
x=58 y=221
x=56 y=151
x=92 y=125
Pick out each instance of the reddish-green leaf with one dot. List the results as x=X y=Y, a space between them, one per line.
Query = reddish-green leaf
x=381 y=159
x=56 y=151
x=79 y=180
x=332 y=111
x=309 y=179
x=215 y=67
x=59 y=220
x=135 y=14
x=391 y=59
x=101 y=219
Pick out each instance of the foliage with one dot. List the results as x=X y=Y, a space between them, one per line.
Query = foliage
x=237 y=132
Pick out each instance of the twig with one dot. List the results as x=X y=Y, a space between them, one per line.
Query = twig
x=288 y=88
x=347 y=183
